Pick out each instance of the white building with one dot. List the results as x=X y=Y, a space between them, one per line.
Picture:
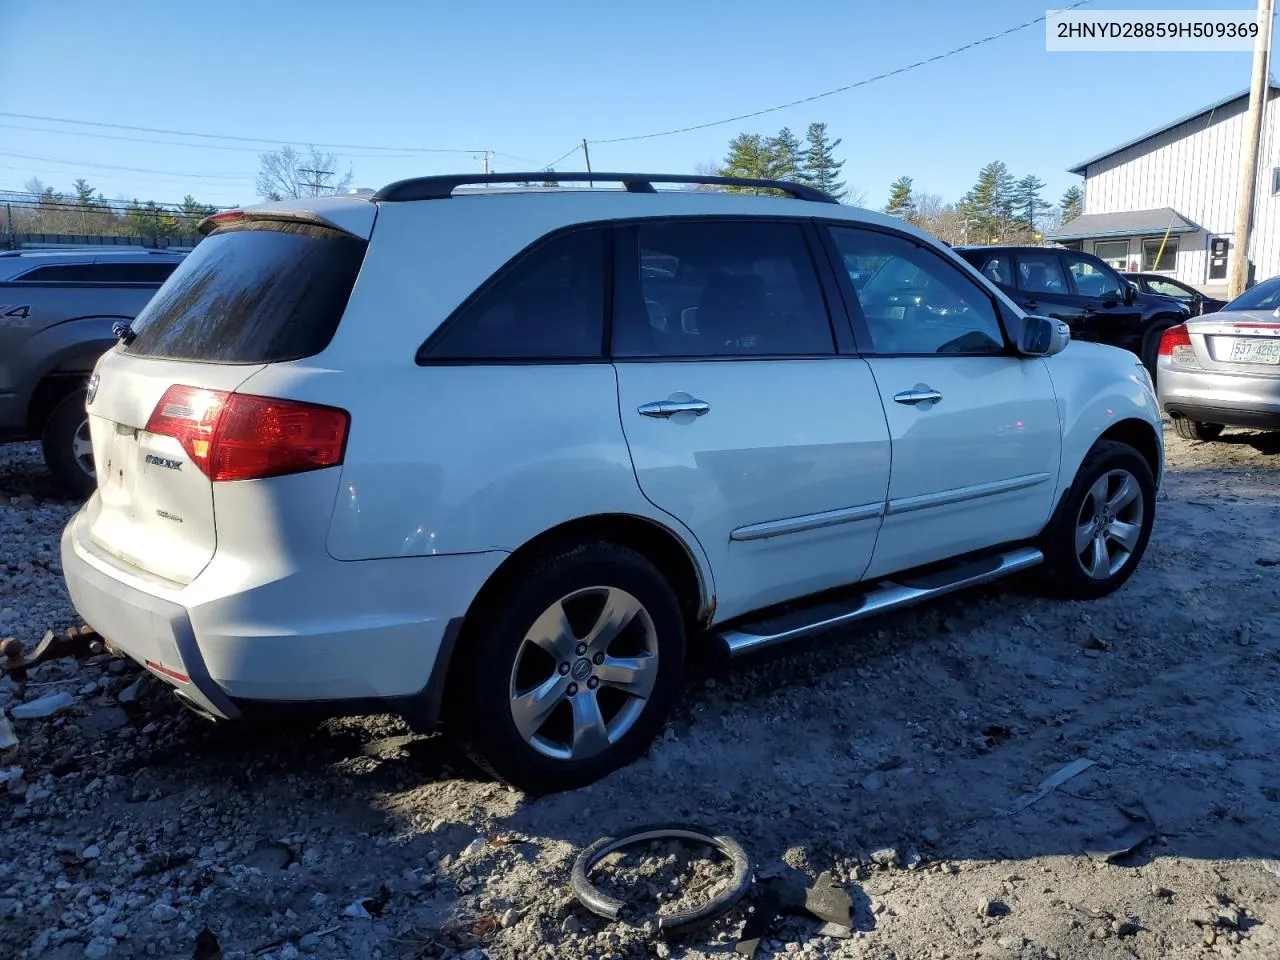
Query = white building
x=1166 y=201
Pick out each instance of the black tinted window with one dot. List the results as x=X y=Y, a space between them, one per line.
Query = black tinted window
x=63 y=273
x=252 y=293
x=548 y=304
x=700 y=288
x=155 y=272
x=1041 y=272
x=914 y=301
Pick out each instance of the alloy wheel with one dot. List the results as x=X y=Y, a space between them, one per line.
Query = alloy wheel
x=584 y=673
x=1109 y=524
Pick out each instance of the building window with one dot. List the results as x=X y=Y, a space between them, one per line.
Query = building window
x=1114 y=252
x=1151 y=249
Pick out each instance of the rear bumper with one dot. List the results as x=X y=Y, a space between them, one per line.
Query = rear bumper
x=333 y=633
x=1234 y=400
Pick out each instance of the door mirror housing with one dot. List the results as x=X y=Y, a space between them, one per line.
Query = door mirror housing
x=1130 y=293
x=1043 y=336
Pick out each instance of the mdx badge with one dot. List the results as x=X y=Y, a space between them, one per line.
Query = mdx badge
x=164 y=462
x=91 y=390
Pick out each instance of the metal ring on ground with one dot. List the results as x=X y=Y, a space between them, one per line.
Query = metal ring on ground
x=611 y=908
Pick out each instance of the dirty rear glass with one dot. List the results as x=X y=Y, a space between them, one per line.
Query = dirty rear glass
x=253 y=292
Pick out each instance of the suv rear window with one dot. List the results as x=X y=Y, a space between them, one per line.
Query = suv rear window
x=253 y=292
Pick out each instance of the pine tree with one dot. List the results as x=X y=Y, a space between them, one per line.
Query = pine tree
x=83 y=192
x=749 y=156
x=902 y=202
x=1026 y=201
x=1071 y=204
x=784 y=157
x=821 y=168
x=988 y=205
x=550 y=181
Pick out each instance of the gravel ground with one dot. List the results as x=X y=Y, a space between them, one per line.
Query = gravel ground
x=890 y=757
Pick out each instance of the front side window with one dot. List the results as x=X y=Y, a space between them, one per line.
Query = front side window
x=546 y=305
x=704 y=288
x=999 y=269
x=916 y=302
x=1159 y=254
x=60 y=273
x=1114 y=253
x=1092 y=279
x=1041 y=272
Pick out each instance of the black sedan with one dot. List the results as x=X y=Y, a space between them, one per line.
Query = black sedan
x=1163 y=286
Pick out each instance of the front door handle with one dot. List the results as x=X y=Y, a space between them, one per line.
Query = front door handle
x=919 y=394
x=669 y=408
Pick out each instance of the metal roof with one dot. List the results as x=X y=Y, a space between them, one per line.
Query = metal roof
x=1127 y=223
x=1225 y=101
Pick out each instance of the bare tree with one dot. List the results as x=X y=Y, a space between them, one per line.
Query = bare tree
x=706 y=168
x=287 y=174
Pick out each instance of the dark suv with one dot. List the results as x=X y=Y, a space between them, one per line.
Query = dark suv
x=57 y=309
x=1096 y=302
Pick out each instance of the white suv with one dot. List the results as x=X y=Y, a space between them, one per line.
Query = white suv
x=496 y=459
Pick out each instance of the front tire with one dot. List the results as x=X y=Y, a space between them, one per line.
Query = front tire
x=572 y=671
x=1101 y=528
x=68 y=452
x=1195 y=430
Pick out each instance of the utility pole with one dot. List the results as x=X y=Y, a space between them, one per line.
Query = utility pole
x=1239 y=277
x=484 y=158
x=586 y=155
x=318 y=178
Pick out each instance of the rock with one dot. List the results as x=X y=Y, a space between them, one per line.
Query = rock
x=11 y=647
x=885 y=857
x=46 y=706
x=510 y=918
x=96 y=950
x=288 y=952
x=931 y=835
x=357 y=911
x=1124 y=928
x=7 y=736
x=662 y=950
x=571 y=924
x=992 y=908
x=119 y=931
x=1228 y=917
x=91 y=852
x=475 y=953
x=132 y=692
x=872 y=782
x=163 y=913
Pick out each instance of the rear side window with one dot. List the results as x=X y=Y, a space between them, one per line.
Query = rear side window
x=61 y=273
x=1040 y=273
x=717 y=289
x=255 y=292
x=155 y=273
x=546 y=305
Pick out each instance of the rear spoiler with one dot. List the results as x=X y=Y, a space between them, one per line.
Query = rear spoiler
x=211 y=223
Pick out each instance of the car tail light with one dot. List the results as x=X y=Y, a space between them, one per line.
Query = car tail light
x=1176 y=345
x=239 y=436
x=1174 y=337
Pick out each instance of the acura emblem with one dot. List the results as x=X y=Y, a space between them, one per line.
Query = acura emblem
x=92 y=390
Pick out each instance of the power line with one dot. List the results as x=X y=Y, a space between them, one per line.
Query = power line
x=846 y=87
x=574 y=149
x=110 y=166
x=219 y=136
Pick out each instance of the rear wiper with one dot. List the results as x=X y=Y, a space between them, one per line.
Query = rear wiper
x=123 y=332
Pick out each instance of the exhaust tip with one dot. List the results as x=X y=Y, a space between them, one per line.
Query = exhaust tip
x=194 y=707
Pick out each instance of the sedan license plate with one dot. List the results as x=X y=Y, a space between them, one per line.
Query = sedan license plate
x=1255 y=350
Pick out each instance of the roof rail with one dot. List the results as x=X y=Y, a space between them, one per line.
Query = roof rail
x=442 y=187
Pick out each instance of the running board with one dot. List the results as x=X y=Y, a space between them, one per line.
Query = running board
x=888 y=594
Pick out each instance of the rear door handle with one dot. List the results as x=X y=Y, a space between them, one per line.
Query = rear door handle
x=663 y=409
x=919 y=394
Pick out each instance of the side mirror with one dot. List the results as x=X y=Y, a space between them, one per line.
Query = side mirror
x=1130 y=292
x=1043 y=336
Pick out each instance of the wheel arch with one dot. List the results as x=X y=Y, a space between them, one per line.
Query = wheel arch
x=681 y=562
x=667 y=550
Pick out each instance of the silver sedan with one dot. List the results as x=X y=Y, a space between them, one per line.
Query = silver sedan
x=1223 y=370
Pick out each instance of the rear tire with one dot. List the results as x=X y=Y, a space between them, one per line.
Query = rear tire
x=1195 y=430
x=586 y=697
x=65 y=442
x=1099 y=532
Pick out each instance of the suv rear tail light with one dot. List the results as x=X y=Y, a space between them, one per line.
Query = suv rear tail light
x=239 y=436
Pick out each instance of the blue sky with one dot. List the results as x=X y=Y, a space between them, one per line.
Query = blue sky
x=531 y=80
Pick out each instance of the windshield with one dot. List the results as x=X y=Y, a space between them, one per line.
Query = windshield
x=1263 y=296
